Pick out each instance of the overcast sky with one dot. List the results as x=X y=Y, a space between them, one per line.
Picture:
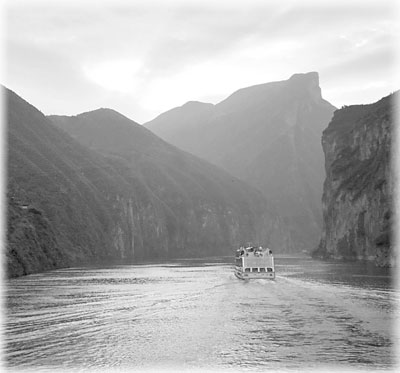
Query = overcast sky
x=144 y=57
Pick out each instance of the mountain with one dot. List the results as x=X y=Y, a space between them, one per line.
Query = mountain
x=183 y=123
x=358 y=191
x=131 y=197
x=64 y=203
x=124 y=196
x=207 y=211
x=268 y=135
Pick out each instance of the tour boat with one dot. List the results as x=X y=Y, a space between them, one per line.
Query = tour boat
x=254 y=263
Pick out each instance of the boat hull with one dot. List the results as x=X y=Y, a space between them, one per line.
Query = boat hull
x=253 y=275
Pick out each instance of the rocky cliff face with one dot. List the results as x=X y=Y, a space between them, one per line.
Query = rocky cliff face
x=270 y=136
x=358 y=190
x=131 y=197
x=32 y=243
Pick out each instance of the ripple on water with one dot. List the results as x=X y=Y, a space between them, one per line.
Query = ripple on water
x=196 y=315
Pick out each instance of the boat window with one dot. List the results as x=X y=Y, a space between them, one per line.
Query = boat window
x=247 y=270
x=269 y=269
x=262 y=269
x=254 y=269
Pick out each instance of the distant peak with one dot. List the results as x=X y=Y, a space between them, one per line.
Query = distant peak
x=196 y=104
x=104 y=110
x=308 y=81
x=195 y=107
x=105 y=113
x=312 y=76
x=99 y=111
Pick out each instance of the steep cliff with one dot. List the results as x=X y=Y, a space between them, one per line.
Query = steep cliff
x=358 y=190
x=268 y=135
x=131 y=197
x=32 y=243
x=60 y=196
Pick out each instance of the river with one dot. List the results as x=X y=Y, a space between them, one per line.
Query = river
x=195 y=314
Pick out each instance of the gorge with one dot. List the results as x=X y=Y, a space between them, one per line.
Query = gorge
x=128 y=196
x=99 y=188
x=268 y=135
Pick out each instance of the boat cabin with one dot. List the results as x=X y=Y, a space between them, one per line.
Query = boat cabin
x=255 y=261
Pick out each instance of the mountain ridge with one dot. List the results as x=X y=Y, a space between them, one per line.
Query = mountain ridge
x=246 y=131
x=72 y=205
x=159 y=157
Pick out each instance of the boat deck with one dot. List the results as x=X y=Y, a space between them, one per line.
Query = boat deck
x=254 y=263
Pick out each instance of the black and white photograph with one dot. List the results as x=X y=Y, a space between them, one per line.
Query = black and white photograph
x=200 y=186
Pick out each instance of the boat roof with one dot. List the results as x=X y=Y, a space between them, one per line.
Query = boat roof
x=252 y=248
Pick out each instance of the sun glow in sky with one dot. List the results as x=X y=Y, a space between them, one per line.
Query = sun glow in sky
x=114 y=75
x=144 y=57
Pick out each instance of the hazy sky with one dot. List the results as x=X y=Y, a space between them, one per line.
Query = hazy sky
x=144 y=57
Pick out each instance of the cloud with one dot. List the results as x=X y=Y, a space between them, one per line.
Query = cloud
x=116 y=75
x=34 y=69
x=141 y=56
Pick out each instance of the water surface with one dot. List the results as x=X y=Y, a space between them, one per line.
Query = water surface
x=196 y=314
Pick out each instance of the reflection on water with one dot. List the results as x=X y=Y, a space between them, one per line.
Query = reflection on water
x=197 y=314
